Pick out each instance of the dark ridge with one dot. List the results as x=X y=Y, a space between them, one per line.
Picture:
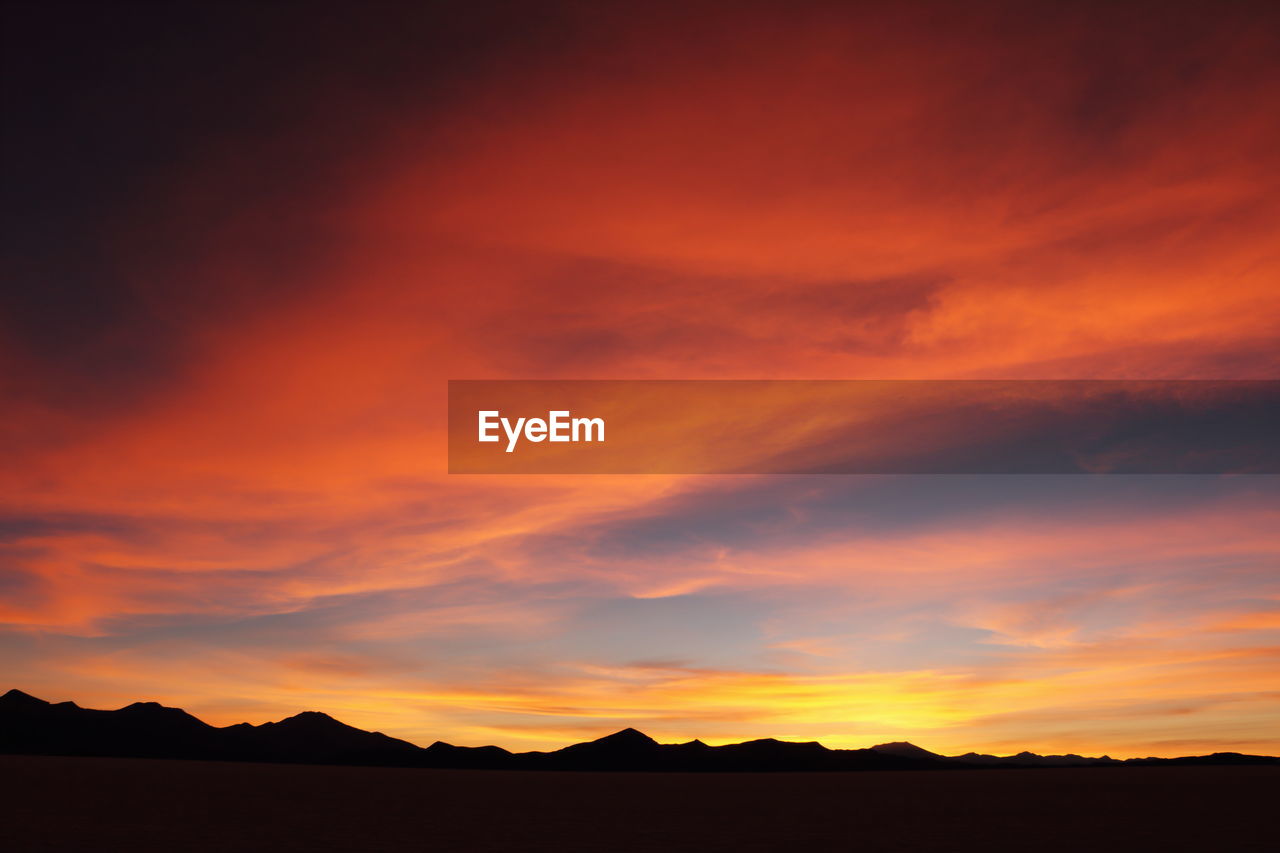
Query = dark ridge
x=33 y=726
x=905 y=750
x=17 y=699
x=441 y=754
x=628 y=736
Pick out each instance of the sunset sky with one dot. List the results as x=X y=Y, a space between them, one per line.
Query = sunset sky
x=246 y=247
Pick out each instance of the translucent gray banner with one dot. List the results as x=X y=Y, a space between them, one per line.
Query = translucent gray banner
x=863 y=427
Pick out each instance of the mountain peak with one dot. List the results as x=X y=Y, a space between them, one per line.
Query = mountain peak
x=903 y=749
x=627 y=737
x=15 y=698
x=317 y=716
x=155 y=709
x=309 y=720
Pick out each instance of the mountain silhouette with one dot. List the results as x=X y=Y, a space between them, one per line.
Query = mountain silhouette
x=441 y=754
x=624 y=750
x=32 y=726
x=143 y=729
x=314 y=737
x=902 y=749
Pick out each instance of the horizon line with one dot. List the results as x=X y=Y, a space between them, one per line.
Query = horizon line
x=23 y=695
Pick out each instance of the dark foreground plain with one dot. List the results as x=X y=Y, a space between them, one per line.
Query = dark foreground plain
x=108 y=804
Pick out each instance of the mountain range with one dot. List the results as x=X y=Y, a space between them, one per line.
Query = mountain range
x=32 y=726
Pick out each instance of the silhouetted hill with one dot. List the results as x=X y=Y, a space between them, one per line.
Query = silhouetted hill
x=314 y=737
x=1030 y=759
x=33 y=726
x=771 y=754
x=441 y=754
x=902 y=749
x=143 y=730
x=1217 y=758
x=624 y=750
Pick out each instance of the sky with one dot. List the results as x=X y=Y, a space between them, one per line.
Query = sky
x=246 y=246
